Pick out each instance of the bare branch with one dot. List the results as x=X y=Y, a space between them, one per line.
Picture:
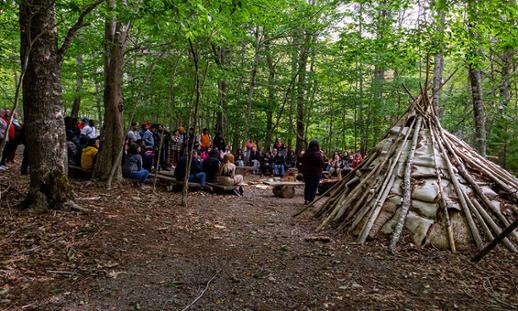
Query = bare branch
x=80 y=23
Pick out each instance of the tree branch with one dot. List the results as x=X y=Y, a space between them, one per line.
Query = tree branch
x=80 y=23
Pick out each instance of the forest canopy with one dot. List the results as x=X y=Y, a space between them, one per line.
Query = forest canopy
x=337 y=71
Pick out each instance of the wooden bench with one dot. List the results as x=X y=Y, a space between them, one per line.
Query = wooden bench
x=244 y=170
x=78 y=172
x=237 y=190
x=283 y=189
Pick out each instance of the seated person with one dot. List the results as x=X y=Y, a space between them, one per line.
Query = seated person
x=240 y=158
x=196 y=173
x=83 y=142
x=210 y=165
x=89 y=154
x=290 y=159
x=335 y=165
x=71 y=148
x=227 y=173
x=278 y=165
x=266 y=164
x=132 y=167
x=255 y=160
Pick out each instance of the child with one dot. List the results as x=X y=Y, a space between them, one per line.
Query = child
x=89 y=154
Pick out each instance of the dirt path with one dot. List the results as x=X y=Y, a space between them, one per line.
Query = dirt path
x=141 y=251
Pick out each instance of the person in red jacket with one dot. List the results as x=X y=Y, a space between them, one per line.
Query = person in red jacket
x=11 y=145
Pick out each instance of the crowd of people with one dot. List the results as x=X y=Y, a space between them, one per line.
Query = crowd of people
x=150 y=146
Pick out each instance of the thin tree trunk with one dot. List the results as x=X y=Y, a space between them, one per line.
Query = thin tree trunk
x=438 y=64
x=301 y=91
x=475 y=79
x=197 y=97
x=251 y=87
x=76 y=105
x=113 y=131
x=479 y=115
x=271 y=94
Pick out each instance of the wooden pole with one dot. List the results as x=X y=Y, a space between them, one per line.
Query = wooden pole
x=483 y=252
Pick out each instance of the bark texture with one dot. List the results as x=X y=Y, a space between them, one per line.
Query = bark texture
x=43 y=110
x=76 y=105
x=113 y=132
x=479 y=115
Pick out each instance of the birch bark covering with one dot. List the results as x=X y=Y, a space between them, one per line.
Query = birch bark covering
x=435 y=189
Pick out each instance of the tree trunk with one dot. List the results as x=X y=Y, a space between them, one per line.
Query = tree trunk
x=271 y=94
x=301 y=90
x=79 y=87
x=438 y=60
x=221 y=57
x=113 y=132
x=43 y=110
x=251 y=87
x=475 y=82
x=505 y=85
x=479 y=115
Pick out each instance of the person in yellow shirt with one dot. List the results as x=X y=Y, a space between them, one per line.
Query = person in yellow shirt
x=89 y=154
x=205 y=139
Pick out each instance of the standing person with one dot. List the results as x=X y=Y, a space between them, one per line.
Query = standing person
x=132 y=167
x=176 y=148
x=192 y=140
x=312 y=164
x=147 y=136
x=219 y=143
x=133 y=133
x=89 y=130
x=205 y=139
x=10 y=132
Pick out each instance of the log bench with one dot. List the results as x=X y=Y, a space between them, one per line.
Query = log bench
x=283 y=189
x=78 y=172
x=244 y=170
x=237 y=190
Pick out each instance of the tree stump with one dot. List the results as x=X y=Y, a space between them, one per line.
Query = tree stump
x=284 y=191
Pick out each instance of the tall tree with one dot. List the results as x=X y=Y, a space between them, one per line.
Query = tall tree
x=76 y=104
x=438 y=59
x=475 y=78
x=108 y=162
x=42 y=105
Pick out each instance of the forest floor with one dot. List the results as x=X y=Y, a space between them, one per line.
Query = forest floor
x=138 y=250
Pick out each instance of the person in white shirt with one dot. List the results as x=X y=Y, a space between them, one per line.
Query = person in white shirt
x=89 y=130
x=133 y=134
